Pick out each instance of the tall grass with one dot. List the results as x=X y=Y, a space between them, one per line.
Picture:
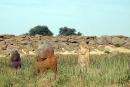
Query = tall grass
x=104 y=71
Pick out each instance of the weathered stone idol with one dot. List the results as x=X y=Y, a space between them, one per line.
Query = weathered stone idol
x=83 y=59
x=45 y=58
x=15 y=59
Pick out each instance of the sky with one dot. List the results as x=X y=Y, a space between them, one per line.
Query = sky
x=90 y=17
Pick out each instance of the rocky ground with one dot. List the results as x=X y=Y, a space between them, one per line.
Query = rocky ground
x=64 y=44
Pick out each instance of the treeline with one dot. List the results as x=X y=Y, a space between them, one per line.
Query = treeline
x=45 y=31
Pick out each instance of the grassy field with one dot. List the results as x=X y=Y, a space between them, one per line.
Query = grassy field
x=104 y=71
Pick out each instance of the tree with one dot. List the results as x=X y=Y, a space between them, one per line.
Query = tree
x=79 y=34
x=25 y=34
x=65 y=31
x=41 y=30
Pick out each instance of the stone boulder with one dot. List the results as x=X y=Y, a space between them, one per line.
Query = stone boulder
x=118 y=40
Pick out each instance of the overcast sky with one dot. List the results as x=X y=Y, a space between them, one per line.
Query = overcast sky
x=90 y=17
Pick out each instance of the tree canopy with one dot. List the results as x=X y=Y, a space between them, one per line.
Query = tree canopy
x=41 y=30
x=45 y=31
x=65 y=31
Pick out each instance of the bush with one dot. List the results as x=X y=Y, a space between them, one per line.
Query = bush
x=41 y=30
x=106 y=51
x=117 y=45
x=65 y=31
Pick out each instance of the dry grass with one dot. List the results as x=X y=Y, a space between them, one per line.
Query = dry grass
x=104 y=71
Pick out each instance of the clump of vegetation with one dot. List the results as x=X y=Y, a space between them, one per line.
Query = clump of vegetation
x=103 y=71
x=40 y=30
x=117 y=45
x=45 y=31
x=65 y=31
x=106 y=51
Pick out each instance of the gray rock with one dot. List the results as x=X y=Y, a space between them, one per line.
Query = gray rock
x=100 y=40
x=2 y=43
x=118 y=40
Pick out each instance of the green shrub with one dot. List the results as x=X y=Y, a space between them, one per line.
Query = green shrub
x=40 y=30
x=117 y=45
x=106 y=51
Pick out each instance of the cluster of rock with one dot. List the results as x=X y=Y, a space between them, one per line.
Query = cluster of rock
x=70 y=43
